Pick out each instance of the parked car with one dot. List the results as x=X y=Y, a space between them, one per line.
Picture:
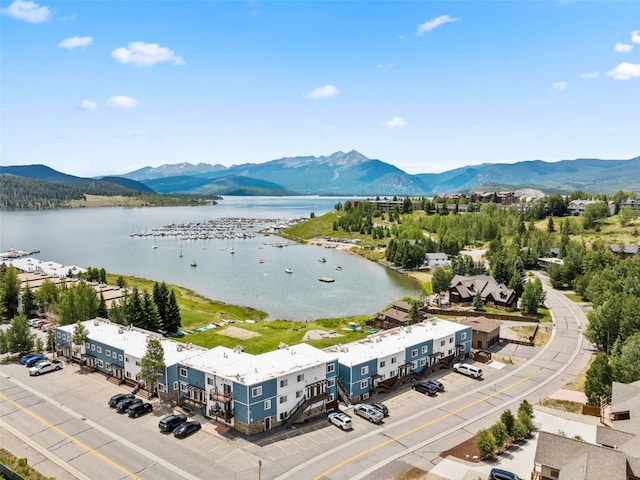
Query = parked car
x=123 y=405
x=169 y=423
x=25 y=357
x=45 y=366
x=113 y=401
x=43 y=326
x=381 y=407
x=436 y=383
x=340 y=420
x=423 y=386
x=469 y=370
x=134 y=411
x=41 y=323
x=499 y=474
x=187 y=428
x=38 y=357
x=368 y=412
x=34 y=322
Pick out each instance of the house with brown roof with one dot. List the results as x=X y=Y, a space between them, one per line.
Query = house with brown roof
x=396 y=316
x=462 y=290
x=484 y=331
x=616 y=454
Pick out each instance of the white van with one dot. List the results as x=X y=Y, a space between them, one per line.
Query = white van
x=466 y=369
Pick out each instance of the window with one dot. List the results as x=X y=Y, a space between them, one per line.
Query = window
x=107 y=352
x=175 y=385
x=442 y=343
x=423 y=362
x=161 y=387
x=463 y=336
x=450 y=352
x=99 y=349
x=331 y=382
x=183 y=387
x=183 y=372
x=120 y=357
x=283 y=399
x=451 y=340
x=128 y=374
x=393 y=360
x=425 y=349
x=58 y=334
x=100 y=364
x=301 y=377
x=392 y=373
x=365 y=396
x=382 y=363
x=209 y=381
x=137 y=363
x=331 y=397
x=267 y=404
x=108 y=367
x=283 y=382
x=298 y=393
x=256 y=391
x=364 y=384
x=87 y=346
x=331 y=368
x=414 y=352
x=93 y=347
x=364 y=370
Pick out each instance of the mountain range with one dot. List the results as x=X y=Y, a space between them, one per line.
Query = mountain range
x=354 y=174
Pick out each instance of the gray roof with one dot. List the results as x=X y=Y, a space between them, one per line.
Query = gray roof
x=481 y=324
x=577 y=460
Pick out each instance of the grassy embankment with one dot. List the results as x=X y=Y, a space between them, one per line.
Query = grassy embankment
x=197 y=311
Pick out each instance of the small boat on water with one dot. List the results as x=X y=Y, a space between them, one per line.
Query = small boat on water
x=326 y=279
x=288 y=270
x=232 y=251
x=154 y=247
x=338 y=267
x=261 y=261
x=322 y=260
x=194 y=264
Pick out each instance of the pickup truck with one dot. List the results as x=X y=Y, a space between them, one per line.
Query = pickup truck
x=45 y=366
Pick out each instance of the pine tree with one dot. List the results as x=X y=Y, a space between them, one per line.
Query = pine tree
x=174 y=321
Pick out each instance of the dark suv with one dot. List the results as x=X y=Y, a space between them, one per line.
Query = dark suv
x=139 y=409
x=423 y=386
x=169 y=424
x=123 y=405
x=113 y=401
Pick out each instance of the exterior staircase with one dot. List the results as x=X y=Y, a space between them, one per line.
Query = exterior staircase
x=342 y=393
x=296 y=412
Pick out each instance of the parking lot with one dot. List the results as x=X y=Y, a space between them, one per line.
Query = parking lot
x=84 y=396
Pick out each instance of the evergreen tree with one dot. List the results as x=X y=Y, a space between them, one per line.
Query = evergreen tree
x=4 y=342
x=10 y=291
x=102 y=307
x=19 y=336
x=28 y=300
x=174 y=321
x=486 y=444
x=161 y=299
x=478 y=302
x=152 y=319
x=414 y=313
x=508 y=419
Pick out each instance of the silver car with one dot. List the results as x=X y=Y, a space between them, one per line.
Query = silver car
x=368 y=412
x=341 y=420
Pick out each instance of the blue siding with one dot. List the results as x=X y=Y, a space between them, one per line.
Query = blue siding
x=466 y=341
x=358 y=376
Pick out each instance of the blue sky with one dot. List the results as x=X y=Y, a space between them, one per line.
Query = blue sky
x=93 y=88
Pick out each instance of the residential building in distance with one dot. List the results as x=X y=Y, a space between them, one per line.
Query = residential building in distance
x=462 y=289
x=485 y=332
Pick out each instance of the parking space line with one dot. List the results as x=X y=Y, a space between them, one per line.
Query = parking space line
x=426 y=424
x=80 y=443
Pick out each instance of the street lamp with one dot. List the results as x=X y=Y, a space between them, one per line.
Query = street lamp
x=259 y=469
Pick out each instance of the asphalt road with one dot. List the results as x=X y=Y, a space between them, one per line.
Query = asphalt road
x=61 y=423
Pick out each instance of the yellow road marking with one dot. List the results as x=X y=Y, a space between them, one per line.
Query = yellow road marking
x=424 y=425
x=71 y=438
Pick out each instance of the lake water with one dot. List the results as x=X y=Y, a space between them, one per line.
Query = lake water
x=253 y=276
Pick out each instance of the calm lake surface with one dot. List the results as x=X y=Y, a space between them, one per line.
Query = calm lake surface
x=253 y=276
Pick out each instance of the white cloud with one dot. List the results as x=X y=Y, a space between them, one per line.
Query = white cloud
x=145 y=54
x=435 y=23
x=28 y=11
x=590 y=75
x=122 y=102
x=88 y=105
x=320 y=93
x=396 y=122
x=625 y=71
x=635 y=36
x=75 y=42
x=623 y=47
x=560 y=85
